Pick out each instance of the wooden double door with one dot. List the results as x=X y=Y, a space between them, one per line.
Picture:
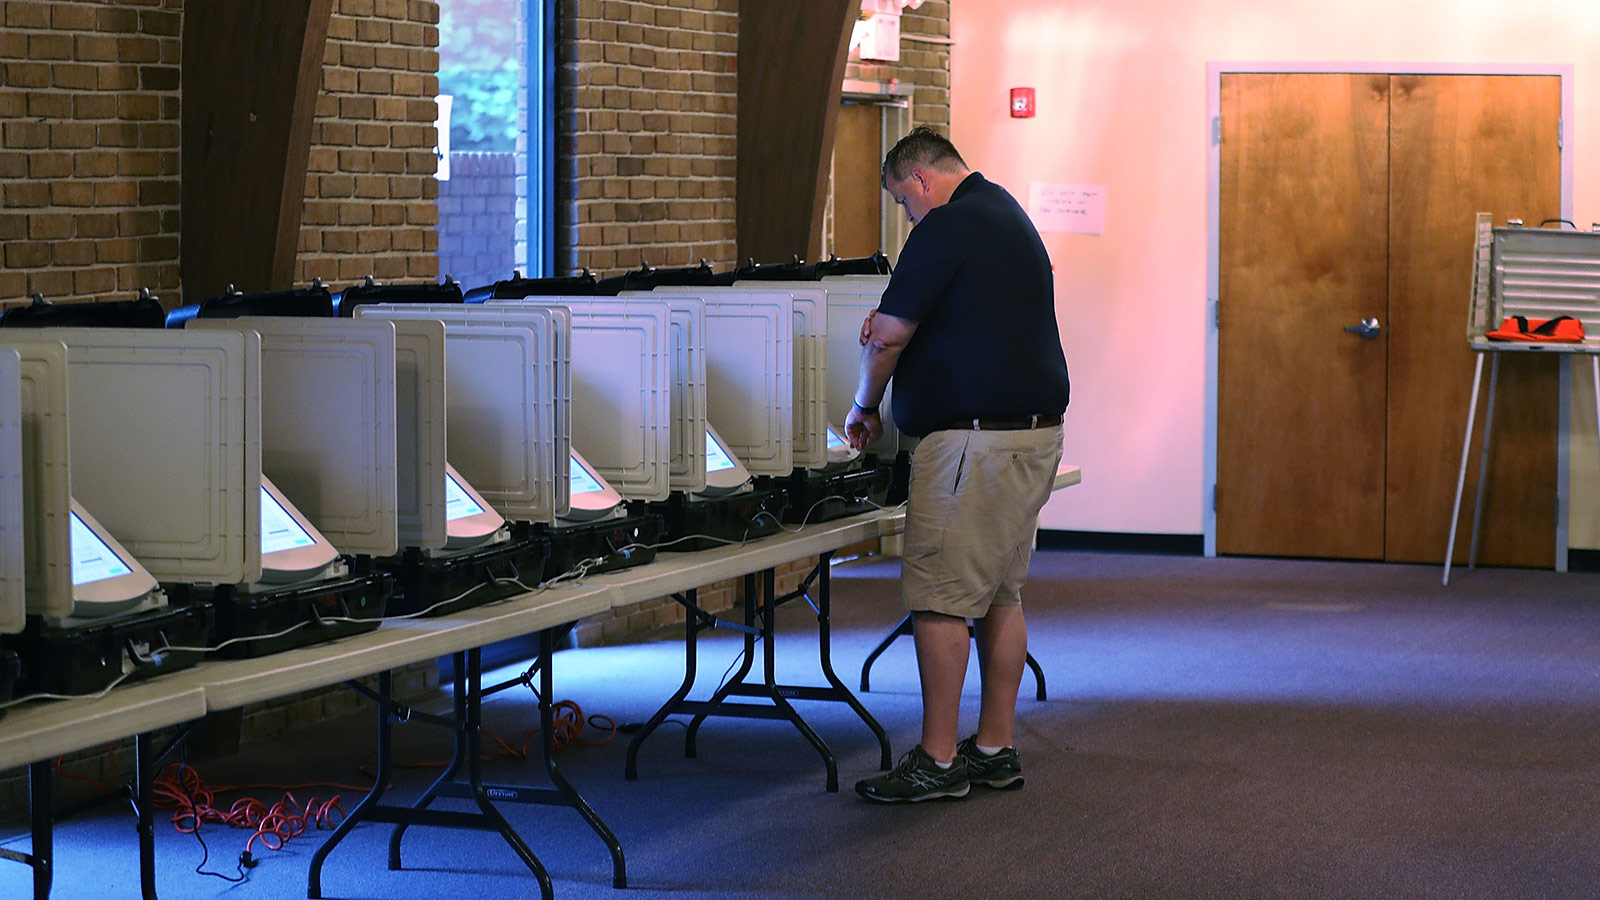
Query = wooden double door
x=1348 y=198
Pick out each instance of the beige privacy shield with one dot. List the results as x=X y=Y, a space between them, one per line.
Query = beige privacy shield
x=687 y=321
x=46 y=472
x=849 y=303
x=810 y=367
x=621 y=388
x=750 y=373
x=13 y=605
x=420 y=445
x=500 y=404
x=165 y=446
x=328 y=423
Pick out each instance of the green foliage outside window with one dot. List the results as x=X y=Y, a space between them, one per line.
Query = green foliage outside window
x=478 y=66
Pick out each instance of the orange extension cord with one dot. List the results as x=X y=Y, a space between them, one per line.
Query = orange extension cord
x=180 y=788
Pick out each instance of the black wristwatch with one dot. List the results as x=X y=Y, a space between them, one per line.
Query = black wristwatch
x=864 y=410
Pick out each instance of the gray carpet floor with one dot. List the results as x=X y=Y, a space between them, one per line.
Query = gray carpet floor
x=1216 y=728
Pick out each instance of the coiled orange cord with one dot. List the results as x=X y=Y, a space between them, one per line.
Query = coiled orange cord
x=180 y=789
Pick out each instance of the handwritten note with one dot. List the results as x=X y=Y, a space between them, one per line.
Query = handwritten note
x=1067 y=208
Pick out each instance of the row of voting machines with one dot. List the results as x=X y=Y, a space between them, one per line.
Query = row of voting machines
x=265 y=471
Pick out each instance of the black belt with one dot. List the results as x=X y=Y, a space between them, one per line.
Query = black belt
x=1030 y=422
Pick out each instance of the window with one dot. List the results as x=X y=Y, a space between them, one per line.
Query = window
x=497 y=138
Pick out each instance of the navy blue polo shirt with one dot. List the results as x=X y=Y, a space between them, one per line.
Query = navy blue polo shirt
x=976 y=279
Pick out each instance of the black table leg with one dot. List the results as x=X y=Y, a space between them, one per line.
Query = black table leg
x=40 y=857
x=749 y=602
x=380 y=784
x=43 y=849
x=901 y=630
x=562 y=793
x=480 y=794
x=691 y=630
x=143 y=775
x=569 y=796
x=458 y=756
x=776 y=692
x=825 y=646
x=759 y=609
x=468 y=727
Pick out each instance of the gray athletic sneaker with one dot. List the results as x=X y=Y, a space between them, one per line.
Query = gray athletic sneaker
x=916 y=778
x=1002 y=770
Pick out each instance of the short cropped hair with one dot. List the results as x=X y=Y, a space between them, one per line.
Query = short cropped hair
x=921 y=147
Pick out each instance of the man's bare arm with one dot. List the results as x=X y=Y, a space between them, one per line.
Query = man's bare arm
x=886 y=336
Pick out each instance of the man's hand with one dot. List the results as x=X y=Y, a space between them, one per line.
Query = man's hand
x=866 y=328
x=861 y=429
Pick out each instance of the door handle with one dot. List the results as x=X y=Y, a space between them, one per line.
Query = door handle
x=1369 y=328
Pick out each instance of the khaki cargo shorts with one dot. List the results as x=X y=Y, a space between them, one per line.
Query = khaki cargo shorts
x=974 y=507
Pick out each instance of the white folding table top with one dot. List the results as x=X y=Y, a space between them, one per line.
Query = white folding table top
x=1066 y=476
x=675 y=572
x=36 y=731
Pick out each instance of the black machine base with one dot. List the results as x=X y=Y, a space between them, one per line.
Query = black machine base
x=83 y=659
x=607 y=545
x=445 y=584
x=824 y=496
x=695 y=522
x=10 y=666
x=258 y=623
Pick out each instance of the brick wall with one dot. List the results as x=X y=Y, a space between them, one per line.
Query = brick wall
x=646 y=168
x=370 y=189
x=89 y=148
x=478 y=227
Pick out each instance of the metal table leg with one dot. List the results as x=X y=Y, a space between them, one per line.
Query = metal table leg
x=469 y=729
x=825 y=648
x=1483 y=463
x=759 y=609
x=41 y=855
x=692 y=623
x=1461 y=474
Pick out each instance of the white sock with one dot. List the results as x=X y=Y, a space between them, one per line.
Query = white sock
x=987 y=751
x=944 y=765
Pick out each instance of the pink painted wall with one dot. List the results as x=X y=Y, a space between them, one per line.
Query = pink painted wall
x=1122 y=102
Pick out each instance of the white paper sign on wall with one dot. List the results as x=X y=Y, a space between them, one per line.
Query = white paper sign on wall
x=1067 y=208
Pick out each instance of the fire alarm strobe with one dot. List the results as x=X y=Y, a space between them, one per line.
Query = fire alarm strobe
x=1022 y=103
